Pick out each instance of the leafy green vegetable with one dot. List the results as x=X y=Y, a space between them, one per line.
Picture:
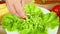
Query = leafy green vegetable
x=51 y=20
x=36 y=22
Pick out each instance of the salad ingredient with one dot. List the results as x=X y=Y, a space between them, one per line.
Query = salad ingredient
x=56 y=9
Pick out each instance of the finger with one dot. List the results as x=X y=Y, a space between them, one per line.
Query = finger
x=11 y=8
x=19 y=9
x=23 y=3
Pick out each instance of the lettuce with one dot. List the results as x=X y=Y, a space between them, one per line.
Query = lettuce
x=36 y=22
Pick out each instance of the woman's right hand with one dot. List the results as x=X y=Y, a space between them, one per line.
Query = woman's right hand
x=16 y=7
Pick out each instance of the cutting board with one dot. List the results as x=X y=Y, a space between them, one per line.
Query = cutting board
x=46 y=1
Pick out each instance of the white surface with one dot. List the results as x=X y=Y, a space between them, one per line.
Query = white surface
x=45 y=11
x=53 y=31
x=14 y=32
x=49 y=30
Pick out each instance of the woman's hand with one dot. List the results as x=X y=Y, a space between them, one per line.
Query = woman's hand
x=16 y=7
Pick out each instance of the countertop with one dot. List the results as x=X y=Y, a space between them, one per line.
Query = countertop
x=1 y=30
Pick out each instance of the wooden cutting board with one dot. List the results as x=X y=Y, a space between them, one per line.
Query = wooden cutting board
x=1 y=30
x=47 y=1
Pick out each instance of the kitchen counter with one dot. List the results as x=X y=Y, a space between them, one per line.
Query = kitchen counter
x=1 y=30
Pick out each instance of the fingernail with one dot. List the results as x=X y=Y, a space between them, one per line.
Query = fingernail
x=24 y=18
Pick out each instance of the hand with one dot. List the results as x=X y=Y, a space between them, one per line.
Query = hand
x=16 y=7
